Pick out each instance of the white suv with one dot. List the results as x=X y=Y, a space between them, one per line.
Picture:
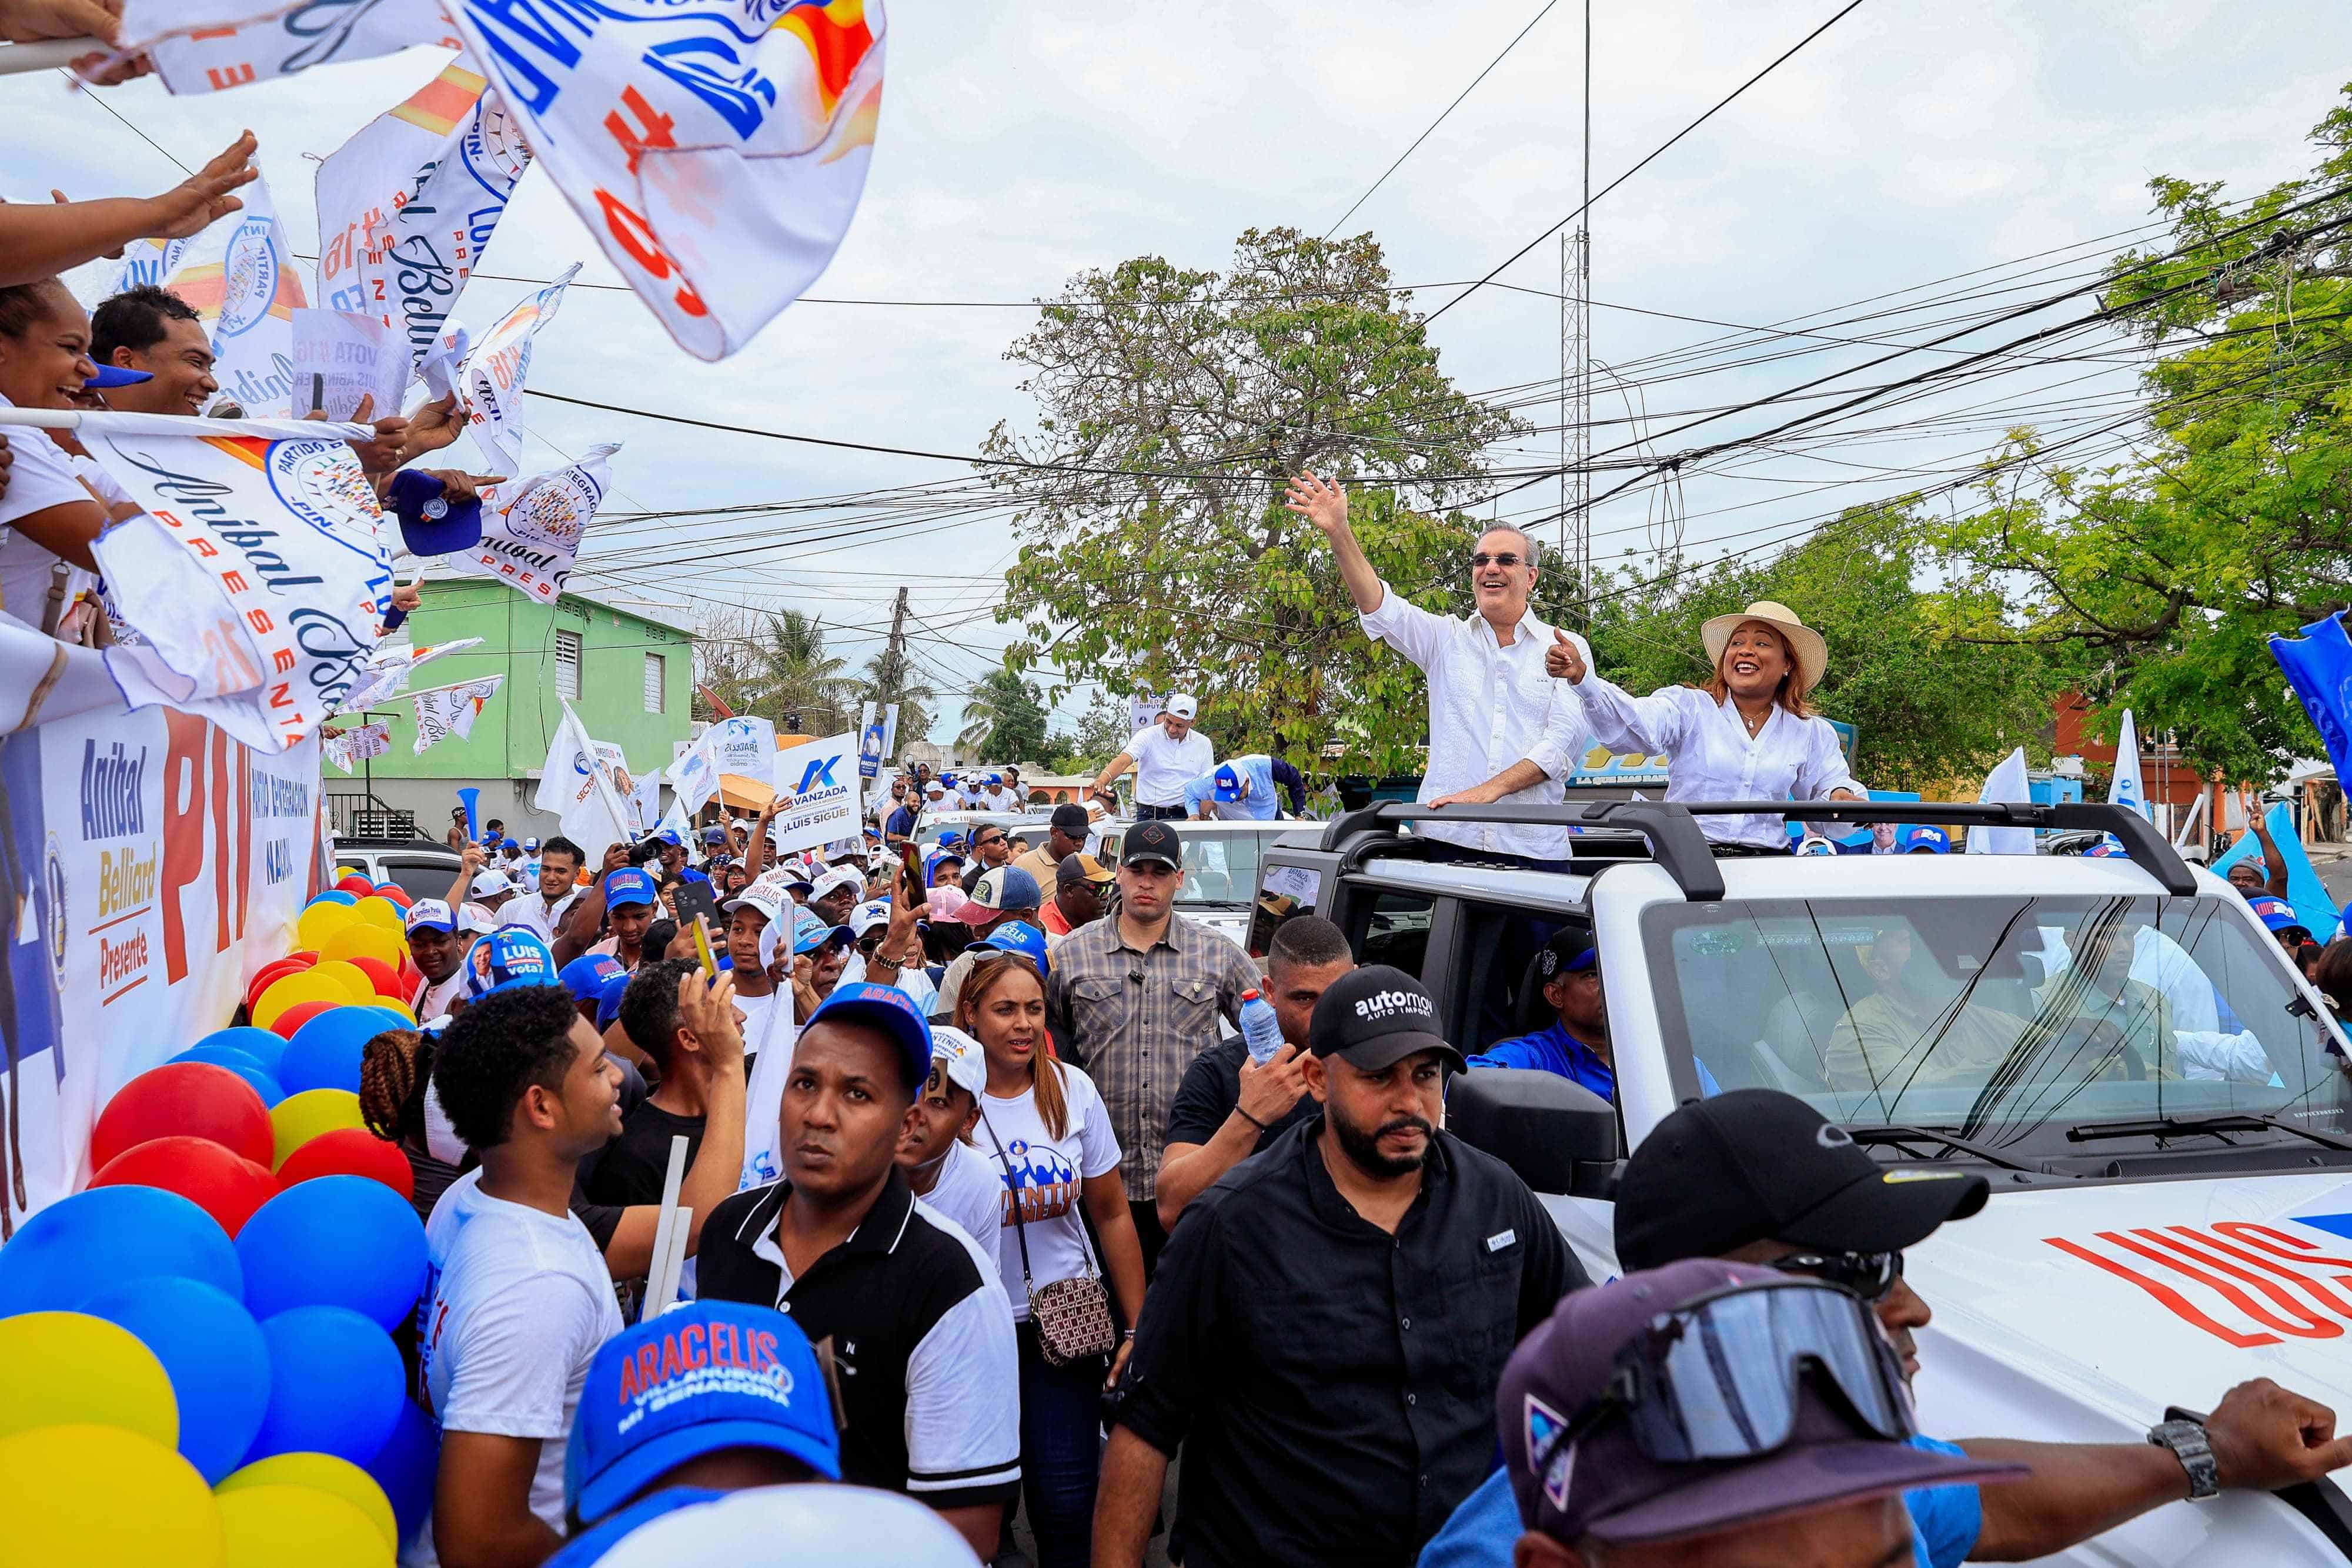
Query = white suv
x=2158 y=1098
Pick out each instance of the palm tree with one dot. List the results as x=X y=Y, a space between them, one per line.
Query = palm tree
x=794 y=678
x=1003 y=719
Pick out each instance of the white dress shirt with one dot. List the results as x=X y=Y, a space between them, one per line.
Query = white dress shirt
x=1711 y=756
x=530 y=910
x=1163 y=767
x=1489 y=707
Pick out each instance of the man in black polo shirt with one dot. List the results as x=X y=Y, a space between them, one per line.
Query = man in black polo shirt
x=918 y=1323
x=1331 y=1321
x=1228 y=1107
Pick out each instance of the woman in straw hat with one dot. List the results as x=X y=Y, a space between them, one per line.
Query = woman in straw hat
x=1746 y=734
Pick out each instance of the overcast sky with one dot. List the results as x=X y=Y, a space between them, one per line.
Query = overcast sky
x=1022 y=142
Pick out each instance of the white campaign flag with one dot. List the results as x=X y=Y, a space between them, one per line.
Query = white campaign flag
x=242 y=279
x=531 y=527
x=407 y=206
x=576 y=784
x=716 y=150
x=2125 y=789
x=491 y=380
x=647 y=801
x=446 y=711
x=385 y=672
x=371 y=740
x=819 y=783
x=2005 y=783
x=340 y=357
x=258 y=574
x=337 y=749
x=283 y=39
x=43 y=679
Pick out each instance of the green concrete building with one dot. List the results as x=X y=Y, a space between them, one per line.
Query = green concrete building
x=627 y=671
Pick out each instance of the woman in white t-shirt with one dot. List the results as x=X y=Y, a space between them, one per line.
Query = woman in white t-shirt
x=47 y=514
x=1043 y=1126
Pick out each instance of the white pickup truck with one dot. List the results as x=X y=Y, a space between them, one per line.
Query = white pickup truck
x=2158 y=1098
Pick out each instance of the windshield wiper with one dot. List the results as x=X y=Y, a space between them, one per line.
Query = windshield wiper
x=1897 y=1133
x=2182 y=1127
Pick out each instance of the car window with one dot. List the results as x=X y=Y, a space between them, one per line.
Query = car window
x=419 y=877
x=2017 y=1022
x=1396 y=931
x=1220 y=869
x=1287 y=891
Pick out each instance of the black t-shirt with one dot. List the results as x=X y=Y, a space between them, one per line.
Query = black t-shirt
x=602 y=1218
x=1212 y=1087
x=633 y=1166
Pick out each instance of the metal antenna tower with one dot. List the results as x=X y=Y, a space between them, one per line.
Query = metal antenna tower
x=1576 y=369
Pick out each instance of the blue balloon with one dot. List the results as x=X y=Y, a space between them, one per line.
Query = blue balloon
x=336 y=1241
x=324 y=1053
x=241 y=1064
x=95 y=1239
x=214 y=1352
x=266 y=1047
x=334 y=896
x=335 y=1386
x=405 y=1467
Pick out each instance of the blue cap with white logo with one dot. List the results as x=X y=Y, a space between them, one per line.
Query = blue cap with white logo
x=1014 y=937
x=609 y=992
x=432 y=913
x=430 y=523
x=627 y=886
x=586 y=976
x=1925 y=840
x=1230 y=786
x=889 y=1009
x=810 y=933
x=2276 y=914
x=705 y=1376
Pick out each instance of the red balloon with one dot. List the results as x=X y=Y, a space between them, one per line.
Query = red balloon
x=276 y=970
x=225 y=1186
x=191 y=1099
x=300 y=1013
x=355 y=883
x=383 y=976
x=397 y=895
x=350 y=1151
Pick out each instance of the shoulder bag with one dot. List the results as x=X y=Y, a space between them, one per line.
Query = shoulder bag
x=1073 y=1316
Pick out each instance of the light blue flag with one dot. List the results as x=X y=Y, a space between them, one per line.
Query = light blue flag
x=2303 y=890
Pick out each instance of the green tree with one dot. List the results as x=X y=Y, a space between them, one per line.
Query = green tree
x=1925 y=709
x=884 y=681
x=796 y=679
x=2161 y=576
x=1100 y=731
x=1004 y=717
x=1172 y=405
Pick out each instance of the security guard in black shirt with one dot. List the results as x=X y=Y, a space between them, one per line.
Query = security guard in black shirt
x=1330 y=1320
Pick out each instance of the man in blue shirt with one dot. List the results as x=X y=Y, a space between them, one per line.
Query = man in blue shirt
x=1242 y=789
x=1575 y=1044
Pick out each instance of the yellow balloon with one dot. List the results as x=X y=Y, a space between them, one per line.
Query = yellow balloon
x=383 y=913
x=297 y=1527
x=320 y=1472
x=299 y=1118
x=72 y=1368
x=100 y=1497
x=320 y=921
x=303 y=986
x=360 y=989
x=364 y=939
x=395 y=1005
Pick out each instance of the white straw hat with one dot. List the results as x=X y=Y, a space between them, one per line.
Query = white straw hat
x=1806 y=650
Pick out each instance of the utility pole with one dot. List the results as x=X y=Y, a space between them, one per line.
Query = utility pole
x=894 y=656
x=1576 y=370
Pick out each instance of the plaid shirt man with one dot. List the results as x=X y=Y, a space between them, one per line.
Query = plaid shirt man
x=1136 y=1019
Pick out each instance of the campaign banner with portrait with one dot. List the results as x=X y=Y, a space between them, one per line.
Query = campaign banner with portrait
x=151 y=866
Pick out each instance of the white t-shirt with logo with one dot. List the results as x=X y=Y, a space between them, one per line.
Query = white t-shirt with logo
x=1044 y=1174
x=969 y=1192
x=516 y=1303
x=1163 y=767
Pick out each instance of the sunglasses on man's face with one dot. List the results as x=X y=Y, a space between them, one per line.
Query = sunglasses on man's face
x=1870 y=1275
x=1508 y=557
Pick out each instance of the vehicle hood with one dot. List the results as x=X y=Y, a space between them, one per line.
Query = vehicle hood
x=2122 y=1300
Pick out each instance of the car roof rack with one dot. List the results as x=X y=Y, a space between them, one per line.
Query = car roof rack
x=1681 y=848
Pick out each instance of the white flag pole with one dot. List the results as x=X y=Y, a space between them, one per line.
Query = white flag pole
x=49 y=54
x=147 y=423
x=674 y=1179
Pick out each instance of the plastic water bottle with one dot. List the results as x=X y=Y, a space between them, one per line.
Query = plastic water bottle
x=1260 y=1029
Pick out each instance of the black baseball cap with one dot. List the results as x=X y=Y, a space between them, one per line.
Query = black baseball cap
x=1374 y=1016
x=1756 y=1165
x=1071 y=819
x=1152 y=841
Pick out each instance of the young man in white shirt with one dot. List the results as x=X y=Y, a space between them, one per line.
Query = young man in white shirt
x=1500 y=729
x=1166 y=757
x=520 y=1298
x=437 y=948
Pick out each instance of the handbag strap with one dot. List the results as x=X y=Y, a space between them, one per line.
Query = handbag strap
x=1020 y=1230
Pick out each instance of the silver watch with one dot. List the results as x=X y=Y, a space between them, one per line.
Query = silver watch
x=2189 y=1445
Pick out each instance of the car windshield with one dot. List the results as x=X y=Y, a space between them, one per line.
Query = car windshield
x=2039 y=1026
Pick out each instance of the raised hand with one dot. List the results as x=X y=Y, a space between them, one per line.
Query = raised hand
x=1563 y=660
x=1320 y=501
x=203 y=198
x=435 y=425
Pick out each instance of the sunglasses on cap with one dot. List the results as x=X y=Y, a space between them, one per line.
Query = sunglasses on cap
x=1869 y=1275
x=1719 y=1378
x=1508 y=557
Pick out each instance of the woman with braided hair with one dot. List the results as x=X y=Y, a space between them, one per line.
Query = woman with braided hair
x=395 y=1076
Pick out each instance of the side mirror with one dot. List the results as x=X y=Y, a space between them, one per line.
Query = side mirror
x=1556 y=1137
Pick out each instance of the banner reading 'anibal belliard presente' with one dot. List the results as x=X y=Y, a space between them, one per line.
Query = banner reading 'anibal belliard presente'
x=451 y=710
x=217 y=46
x=716 y=150
x=407 y=206
x=531 y=528
x=497 y=367
x=256 y=577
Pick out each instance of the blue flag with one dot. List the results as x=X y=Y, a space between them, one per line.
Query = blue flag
x=2319 y=668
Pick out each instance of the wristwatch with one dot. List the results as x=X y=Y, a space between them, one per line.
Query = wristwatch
x=2187 y=1440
